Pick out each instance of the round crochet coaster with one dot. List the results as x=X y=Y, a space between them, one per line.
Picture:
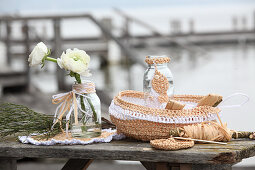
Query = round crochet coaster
x=171 y=144
x=106 y=136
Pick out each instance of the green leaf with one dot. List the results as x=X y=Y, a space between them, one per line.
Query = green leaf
x=43 y=61
x=44 y=58
x=72 y=74
x=49 y=52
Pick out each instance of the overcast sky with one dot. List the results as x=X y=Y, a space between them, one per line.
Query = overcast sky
x=15 y=6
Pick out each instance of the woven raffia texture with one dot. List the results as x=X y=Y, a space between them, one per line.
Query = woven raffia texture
x=171 y=144
x=159 y=60
x=129 y=113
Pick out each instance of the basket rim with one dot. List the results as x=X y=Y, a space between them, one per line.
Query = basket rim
x=118 y=100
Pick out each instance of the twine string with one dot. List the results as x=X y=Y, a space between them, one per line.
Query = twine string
x=209 y=130
x=68 y=102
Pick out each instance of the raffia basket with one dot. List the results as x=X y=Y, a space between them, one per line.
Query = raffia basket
x=134 y=119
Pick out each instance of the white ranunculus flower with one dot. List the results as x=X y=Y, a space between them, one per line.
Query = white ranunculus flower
x=75 y=60
x=38 y=53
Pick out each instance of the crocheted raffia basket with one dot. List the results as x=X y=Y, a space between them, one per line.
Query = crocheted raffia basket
x=132 y=117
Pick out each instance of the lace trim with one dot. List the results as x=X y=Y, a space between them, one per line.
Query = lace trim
x=74 y=141
x=126 y=114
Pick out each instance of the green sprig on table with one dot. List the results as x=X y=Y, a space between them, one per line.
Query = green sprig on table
x=20 y=120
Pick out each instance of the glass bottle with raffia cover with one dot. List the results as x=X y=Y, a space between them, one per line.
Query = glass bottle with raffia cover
x=161 y=64
x=86 y=123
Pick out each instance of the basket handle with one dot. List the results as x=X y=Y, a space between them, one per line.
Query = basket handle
x=246 y=99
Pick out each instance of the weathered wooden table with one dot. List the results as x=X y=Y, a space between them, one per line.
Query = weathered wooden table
x=201 y=156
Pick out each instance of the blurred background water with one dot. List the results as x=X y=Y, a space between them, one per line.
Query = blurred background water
x=199 y=67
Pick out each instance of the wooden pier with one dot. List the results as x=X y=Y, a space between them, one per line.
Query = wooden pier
x=198 y=39
x=127 y=43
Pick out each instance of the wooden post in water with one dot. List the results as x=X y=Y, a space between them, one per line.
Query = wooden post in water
x=126 y=35
x=25 y=30
x=126 y=61
x=126 y=27
x=175 y=26
x=57 y=53
x=7 y=41
x=234 y=23
x=107 y=22
x=191 y=26
x=0 y=29
x=254 y=20
x=244 y=23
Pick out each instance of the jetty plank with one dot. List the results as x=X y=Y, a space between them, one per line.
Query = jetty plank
x=231 y=153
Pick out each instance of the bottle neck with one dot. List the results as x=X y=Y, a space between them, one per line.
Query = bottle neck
x=85 y=80
x=87 y=86
x=84 y=88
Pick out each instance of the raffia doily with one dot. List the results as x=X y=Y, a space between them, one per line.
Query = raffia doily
x=106 y=136
x=171 y=144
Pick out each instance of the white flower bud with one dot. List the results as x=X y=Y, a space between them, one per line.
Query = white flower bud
x=38 y=53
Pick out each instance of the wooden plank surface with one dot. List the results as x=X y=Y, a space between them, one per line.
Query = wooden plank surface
x=232 y=153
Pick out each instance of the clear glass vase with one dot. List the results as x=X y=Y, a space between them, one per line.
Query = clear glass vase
x=87 y=123
x=163 y=69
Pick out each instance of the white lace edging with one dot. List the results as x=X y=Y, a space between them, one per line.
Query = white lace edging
x=142 y=102
x=124 y=114
x=115 y=136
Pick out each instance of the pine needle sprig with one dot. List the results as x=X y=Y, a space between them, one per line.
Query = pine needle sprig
x=20 y=120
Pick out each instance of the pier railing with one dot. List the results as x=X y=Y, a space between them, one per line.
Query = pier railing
x=58 y=41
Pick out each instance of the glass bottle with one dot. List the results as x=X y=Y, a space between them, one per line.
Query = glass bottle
x=89 y=111
x=162 y=68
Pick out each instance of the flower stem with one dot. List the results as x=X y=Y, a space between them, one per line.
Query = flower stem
x=93 y=110
x=78 y=79
x=51 y=59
